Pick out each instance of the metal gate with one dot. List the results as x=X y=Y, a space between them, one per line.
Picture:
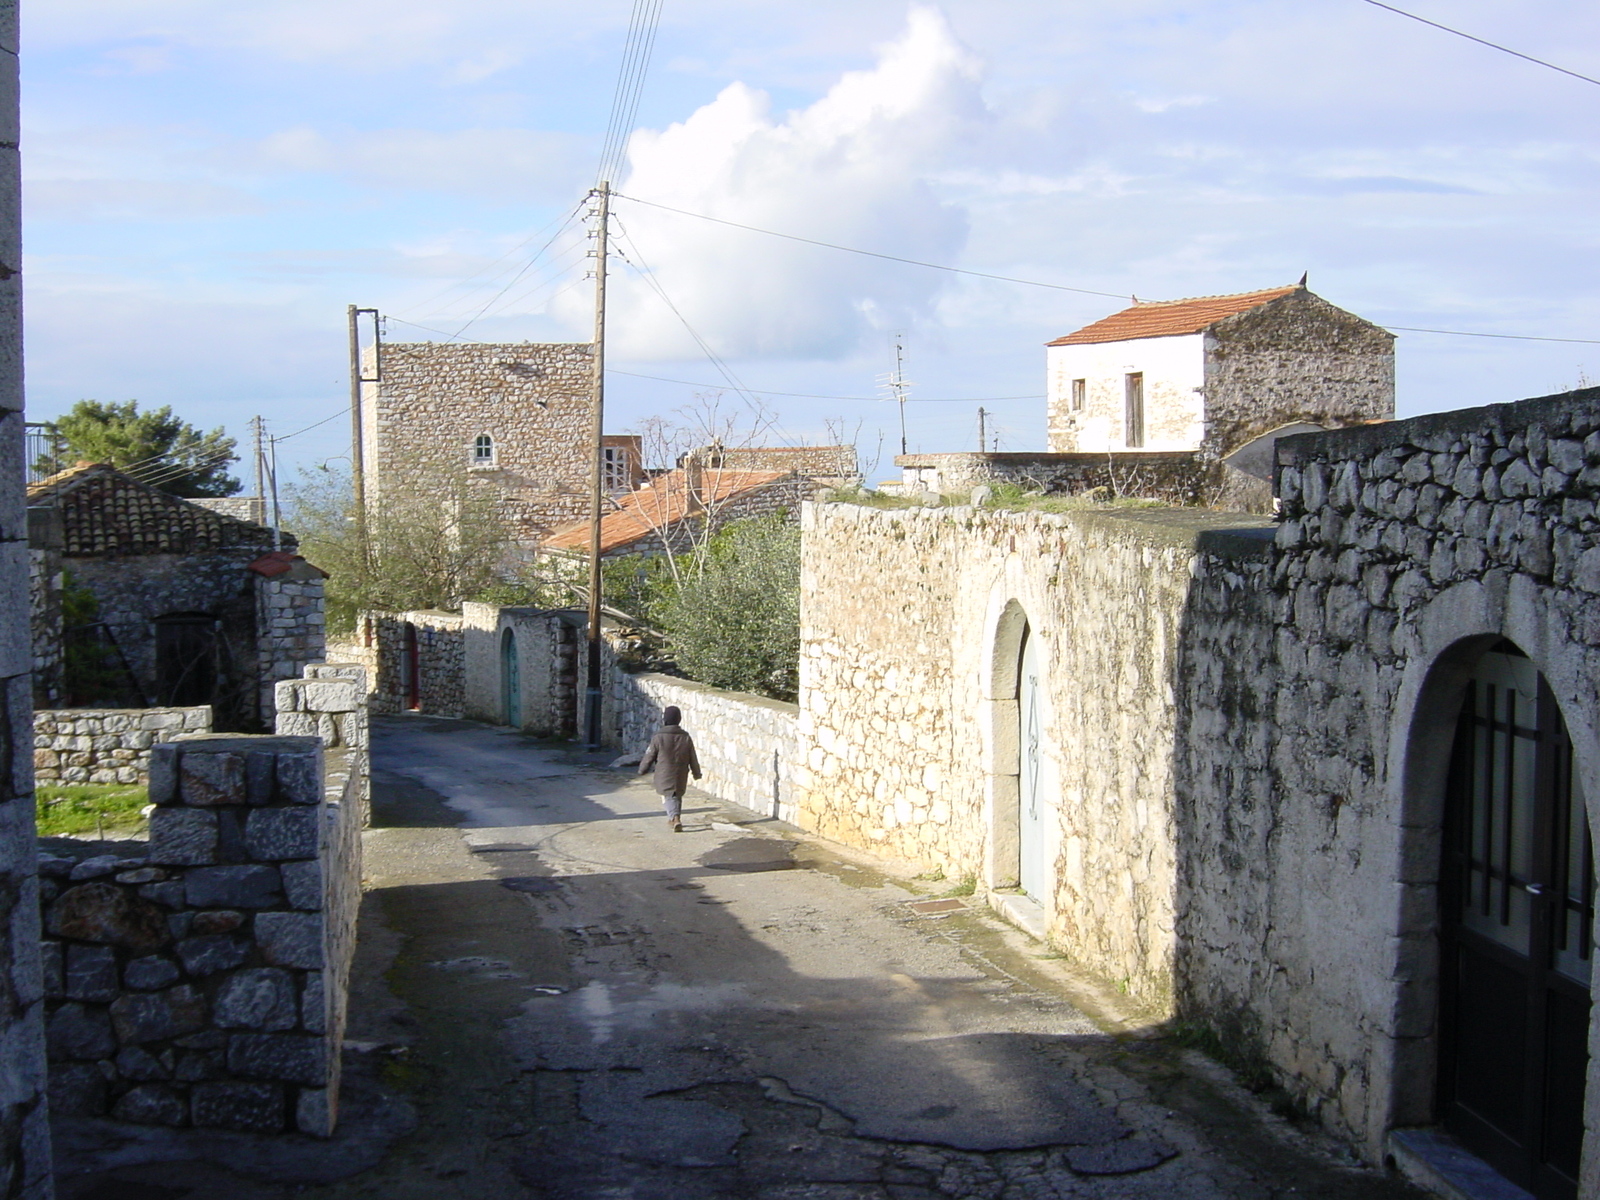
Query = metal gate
x=1517 y=932
x=510 y=680
x=1033 y=843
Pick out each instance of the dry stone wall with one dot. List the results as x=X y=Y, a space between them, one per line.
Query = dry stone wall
x=748 y=745
x=435 y=681
x=291 y=632
x=330 y=704
x=86 y=745
x=203 y=983
x=1176 y=477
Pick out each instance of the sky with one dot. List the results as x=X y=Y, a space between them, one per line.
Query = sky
x=207 y=186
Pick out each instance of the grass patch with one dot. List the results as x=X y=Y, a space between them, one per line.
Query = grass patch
x=967 y=886
x=88 y=808
x=1247 y=1066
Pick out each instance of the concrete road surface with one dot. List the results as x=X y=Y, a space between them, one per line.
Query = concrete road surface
x=559 y=998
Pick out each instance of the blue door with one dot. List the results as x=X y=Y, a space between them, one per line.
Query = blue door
x=510 y=681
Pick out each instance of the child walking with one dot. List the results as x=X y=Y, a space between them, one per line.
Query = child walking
x=672 y=756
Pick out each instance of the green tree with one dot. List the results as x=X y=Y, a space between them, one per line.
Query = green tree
x=735 y=623
x=432 y=543
x=153 y=446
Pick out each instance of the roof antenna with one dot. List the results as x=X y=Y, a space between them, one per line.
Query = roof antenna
x=1306 y=275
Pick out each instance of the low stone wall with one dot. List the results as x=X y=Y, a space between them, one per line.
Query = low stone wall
x=106 y=745
x=748 y=745
x=204 y=982
x=292 y=631
x=1177 y=477
x=439 y=676
x=330 y=703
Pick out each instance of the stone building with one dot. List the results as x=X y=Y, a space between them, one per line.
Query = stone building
x=141 y=598
x=514 y=417
x=1215 y=373
x=25 y=1169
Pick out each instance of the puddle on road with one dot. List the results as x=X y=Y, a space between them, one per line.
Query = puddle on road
x=476 y=964
x=606 y=1009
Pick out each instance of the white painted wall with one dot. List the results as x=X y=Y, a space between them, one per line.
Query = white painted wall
x=1174 y=376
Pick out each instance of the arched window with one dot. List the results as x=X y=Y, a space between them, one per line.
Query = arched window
x=482 y=450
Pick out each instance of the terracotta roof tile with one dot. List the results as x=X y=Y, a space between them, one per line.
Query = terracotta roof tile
x=664 y=503
x=1169 y=318
x=105 y=512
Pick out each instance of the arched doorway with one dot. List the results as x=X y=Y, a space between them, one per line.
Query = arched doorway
x=1034 y=869
x=410 y=669
x=1516 y=931
x=510 y=680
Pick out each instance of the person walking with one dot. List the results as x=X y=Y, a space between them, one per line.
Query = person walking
x=671 y=755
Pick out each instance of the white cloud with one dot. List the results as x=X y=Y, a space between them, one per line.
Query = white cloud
x=854 y=168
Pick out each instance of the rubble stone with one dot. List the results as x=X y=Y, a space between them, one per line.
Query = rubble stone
x=245 y=1107
x=103 y=912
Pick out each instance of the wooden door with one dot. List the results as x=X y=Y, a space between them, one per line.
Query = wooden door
x=510 y=680
x=1517 y=932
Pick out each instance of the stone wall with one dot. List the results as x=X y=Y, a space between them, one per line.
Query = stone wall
x=330 y=704
x=291 y=631
x=533 y=400
x=548 y=646
x=87 y=745
x=204 y=982
x=44 y=602
x=748 y=745
x=25 y=1169
x=439 y=673
x=1176 y=478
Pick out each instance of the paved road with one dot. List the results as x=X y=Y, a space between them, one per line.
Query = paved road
x=580 y=1004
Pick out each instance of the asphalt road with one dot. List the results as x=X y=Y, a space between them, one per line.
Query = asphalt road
x=557 y=997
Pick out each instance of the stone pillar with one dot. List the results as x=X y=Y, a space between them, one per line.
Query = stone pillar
x=205 y=984
x=331 y=703
x=25 y=1169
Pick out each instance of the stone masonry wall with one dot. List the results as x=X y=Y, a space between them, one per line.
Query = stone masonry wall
x=1178 y=477
x=291 y=632
x=748 y=745
x=533 y=400
x=204 y=983
x=86 y=745
x=25 y=1167
x=440 y=664
x=330 y=703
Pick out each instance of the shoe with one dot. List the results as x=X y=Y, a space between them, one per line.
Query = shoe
x=677 y=827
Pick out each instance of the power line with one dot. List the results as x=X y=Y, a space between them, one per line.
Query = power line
x=1060 y=287
x=1515 y=337
x=1482 y=42
x=309 y=428
x=815 y=396
x=526 y=267
x=642 y=25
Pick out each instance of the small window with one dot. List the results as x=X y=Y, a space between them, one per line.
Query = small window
x=1134 y=425
x=1079 y=387
x=483 y=450
x=618 y=469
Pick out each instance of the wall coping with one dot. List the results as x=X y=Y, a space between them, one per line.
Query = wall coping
x=778 y=706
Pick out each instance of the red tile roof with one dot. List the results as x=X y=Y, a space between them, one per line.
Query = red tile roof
x=1169 y=318
x=105 y=512
x=659 y=506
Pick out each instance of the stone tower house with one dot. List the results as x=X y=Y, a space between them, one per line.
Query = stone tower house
x=1216 y=373
x=514 y=416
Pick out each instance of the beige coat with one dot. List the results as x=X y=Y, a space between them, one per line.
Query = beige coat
x=672 y=755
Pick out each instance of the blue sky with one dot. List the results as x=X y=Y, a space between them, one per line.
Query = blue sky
x=208 y=185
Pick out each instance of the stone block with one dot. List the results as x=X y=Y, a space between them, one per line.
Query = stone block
x=194 y=1066
x=77 y=1090
x=52 y=967
x=109 y=915
x=152 y=1104
x=290 y=1057
x=75 y=1031
x=209 y=777
x=330 y=696
x=300 y=777
x=132 y=1062
x=244 y=1107
x=150 y=973
x=142 y=875
x=91 y=974
x=290 y=939
x=169 y=894
x=217 y=920
x=260 y=774
x=212 y=953
x=313 y=1004
x=140 y=1017
x=94 y=868
x=302 y=884
x=247 y=886
x=313 y=1112
x=260 y=998
x=183 y=837
x=275 y=834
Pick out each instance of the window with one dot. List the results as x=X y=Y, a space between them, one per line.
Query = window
x=483 y=451
x=618 y=470
x=1133 y=424
x=1079 y=387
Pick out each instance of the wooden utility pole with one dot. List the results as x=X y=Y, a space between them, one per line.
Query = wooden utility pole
x=983 y=439
x=593 y=705
x=257 y=426
x=358 y=472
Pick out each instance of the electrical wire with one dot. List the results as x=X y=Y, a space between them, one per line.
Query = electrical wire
x=309 y=428
x=1482 y=42
x=815 y=396
x=643 y=23
x=1515 y=337
x=915 y=262
x=526 y=267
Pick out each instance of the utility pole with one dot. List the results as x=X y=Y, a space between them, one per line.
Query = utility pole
x=260 y=509
x=897 y=385
x=358 y=467
x=272 y=476
x=983 y=438
x=593 y=706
